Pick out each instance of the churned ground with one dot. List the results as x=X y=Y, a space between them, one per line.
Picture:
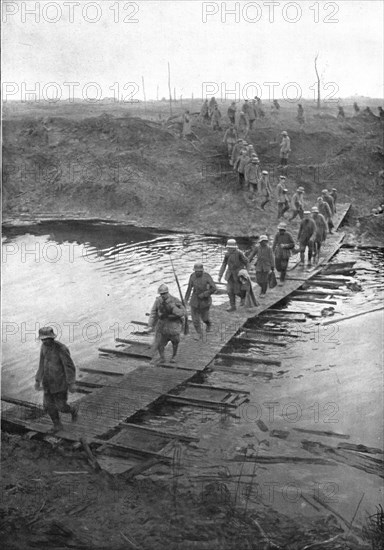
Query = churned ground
x=125 y=163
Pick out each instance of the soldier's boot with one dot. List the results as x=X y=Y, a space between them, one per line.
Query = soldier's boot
x=74 y=412
x=309 y=258
x=173 y=358
x=208 y=325
x=232 y=303
x=301 y=258
x=57 y=425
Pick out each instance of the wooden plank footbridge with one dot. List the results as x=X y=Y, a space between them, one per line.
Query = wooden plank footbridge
x=122 y=382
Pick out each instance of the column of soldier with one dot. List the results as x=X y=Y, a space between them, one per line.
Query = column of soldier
x=169 y=314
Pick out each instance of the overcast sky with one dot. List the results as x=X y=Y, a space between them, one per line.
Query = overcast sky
x=110 y=42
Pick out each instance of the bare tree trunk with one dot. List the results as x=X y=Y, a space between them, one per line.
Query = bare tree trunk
x=145 y=99
x=174 y=95
x=157 y=93
x=318 y=83
x=169 y=87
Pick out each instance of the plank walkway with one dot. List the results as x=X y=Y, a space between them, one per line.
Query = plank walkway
x=126 y=393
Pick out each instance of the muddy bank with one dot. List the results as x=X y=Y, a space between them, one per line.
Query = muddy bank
x=53 y=499
x=116 y=166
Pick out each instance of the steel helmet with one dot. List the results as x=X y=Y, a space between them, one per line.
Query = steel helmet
x=231 y=243
x=163 y=289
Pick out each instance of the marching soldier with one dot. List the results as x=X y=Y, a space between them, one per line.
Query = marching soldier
x=298 y=204
x=265 y=263
x=306 y=237
x=282 y=245
x=201 y=286
x=234 y=261
x=321 y=231
x=167 y=316
x=56 y=376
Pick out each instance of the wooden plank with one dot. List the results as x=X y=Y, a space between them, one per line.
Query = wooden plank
x=205 y=386
x=181 y=437
x=255 y=341
x=248 y=359
x=346 y=317
x=199 y=402
x=125 y=353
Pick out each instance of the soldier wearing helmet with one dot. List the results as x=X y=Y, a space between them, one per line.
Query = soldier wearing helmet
x=321 y=231
x=201 y=286
x=234 y=260
x=166 y=317
x=283 y=243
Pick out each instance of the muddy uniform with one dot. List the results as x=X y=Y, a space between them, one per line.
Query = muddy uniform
x=297 y=205
x=243 y=125
x=236 y=151
x=283 y=243
x=230 y=138
x=201 y=288
x=56 y=373
x=326 y=212
x=265 y=190
x=282 y=200
x=321 y=232
x=285 y=149
x=251 y=114
x=333 y=194
x=239 y=166
x=306 y=237
x=329 y=200
x=232 y=114
x=265 y=262
x=234 y=260
x=252 y=175
x=167 y=318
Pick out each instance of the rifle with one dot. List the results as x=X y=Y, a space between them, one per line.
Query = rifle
x=186 y=327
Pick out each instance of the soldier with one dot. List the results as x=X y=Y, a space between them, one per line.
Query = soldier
x=56 y=376
x=306 y=237
x=265 y=189
x=232 y=113
x=243 y=125
x=187 y=124
x=167 y=316
x=204 y=111
x=285 y=148
x=326 y=212
x=215 y=118
x=236 y=151
x=245 y=109
x=328 y=199
x=211 y=106
x=201 y=286
x=252 y=174
x=240 y=165
x=321 y=231
x=252 y=113
x=381 y=113
x=234 y=260
x=298 y=204
x=333 y=194
x=356 y=108
x=265 y=263
x=282 y=245
x=230 y=138
x=341 y=113
x=282 y=198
